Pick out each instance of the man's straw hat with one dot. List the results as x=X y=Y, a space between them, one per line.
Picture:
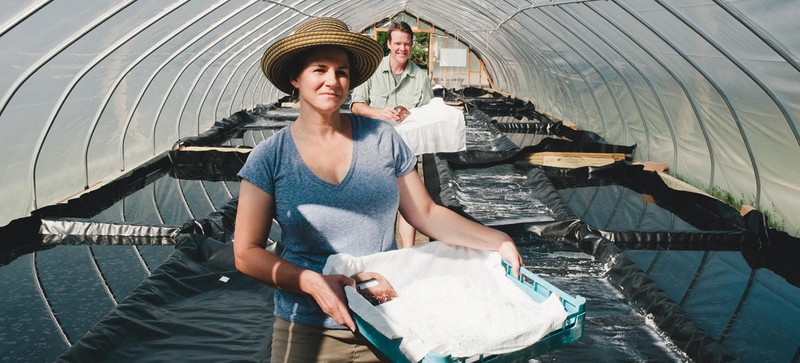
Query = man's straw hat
x=365 y=52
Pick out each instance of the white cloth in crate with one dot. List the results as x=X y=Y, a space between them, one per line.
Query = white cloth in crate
x=434 y=128
x=530 y=321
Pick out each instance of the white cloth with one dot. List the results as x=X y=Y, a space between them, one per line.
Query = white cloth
x=401 y=268
x=434 y=128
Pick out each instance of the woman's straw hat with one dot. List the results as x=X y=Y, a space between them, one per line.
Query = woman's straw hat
x=365 y=52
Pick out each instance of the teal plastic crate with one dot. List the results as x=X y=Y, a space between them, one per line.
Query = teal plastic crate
x=538 y=289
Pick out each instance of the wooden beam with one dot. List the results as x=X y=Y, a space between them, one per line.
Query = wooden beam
x=573 y=159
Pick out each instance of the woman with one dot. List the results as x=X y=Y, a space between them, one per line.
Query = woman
x=333 y=182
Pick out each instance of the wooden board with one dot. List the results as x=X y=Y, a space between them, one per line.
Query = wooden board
x=573 y=159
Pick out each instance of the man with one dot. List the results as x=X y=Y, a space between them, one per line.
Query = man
x=396 y=86
x=396 y=82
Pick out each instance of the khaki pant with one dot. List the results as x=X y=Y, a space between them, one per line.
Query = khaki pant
x=292 y=342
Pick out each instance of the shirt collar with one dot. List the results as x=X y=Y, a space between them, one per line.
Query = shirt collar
x=384 y=67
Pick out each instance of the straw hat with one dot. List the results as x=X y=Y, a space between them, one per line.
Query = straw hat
x=365 y=52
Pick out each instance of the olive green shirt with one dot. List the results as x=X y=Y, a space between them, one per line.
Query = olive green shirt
x=380 y=90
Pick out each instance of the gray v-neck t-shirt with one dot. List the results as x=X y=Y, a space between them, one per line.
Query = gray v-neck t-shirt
x=318 y=218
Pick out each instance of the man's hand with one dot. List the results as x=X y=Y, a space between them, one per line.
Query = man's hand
x=388 y=114
x=402 y=112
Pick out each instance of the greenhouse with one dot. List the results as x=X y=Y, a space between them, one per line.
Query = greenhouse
x=638 y=152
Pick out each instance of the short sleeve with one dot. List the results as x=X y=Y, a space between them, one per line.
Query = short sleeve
x=405 y=161
x=257 y=168
x=360 y=93
x=427 y=93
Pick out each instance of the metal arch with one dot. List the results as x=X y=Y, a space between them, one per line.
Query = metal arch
x=108 y=51
x=46 y=301
x=195 y=57
x=735 y=316
x=644 y=77
x=611 y=65
x=56 y=51
x=567 y=94
x=741 y=67
x=239 y=87
x=649 y=84
x=208 y=64
x=562 y=88
x=766 y=38
x=690 y=98
x=102 y=277
x=141 y=259
x=207 y=195
x=183 y=199
x=135 y=63
x=263 y=86
x=35 y=68
x=619 y=192
x=149 y=81
x=258 y=96
x=547 y=77
x=534 y=6
x=716 y=87
x=575 y=71
x=602 y=76
x=123 y=217
x=258 y=49
x=252 y=86
x=155 y=204
x=27 y=14
x=693 y=284
x=772 y=43
x=227 y=189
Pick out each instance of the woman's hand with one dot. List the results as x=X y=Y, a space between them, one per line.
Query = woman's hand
x=328 y=292
x=508 y=250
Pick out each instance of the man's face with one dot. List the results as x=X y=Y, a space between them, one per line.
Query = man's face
x=399 y=44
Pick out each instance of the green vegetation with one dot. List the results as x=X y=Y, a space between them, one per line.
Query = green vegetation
x=737 y=202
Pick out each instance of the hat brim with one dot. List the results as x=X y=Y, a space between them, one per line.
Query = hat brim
x=366 y=55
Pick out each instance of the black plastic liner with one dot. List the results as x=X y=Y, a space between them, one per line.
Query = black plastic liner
x=705 y=233
x=705 y=213
x=490 y=102
x=562 y=145
x=487 y=144
x=220 y=132
x=683 y=331
x=186 y=303
x=211 y=165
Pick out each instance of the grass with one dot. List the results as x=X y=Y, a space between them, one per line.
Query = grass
x=738 y=201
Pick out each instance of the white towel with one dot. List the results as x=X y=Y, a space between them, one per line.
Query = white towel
x=437 y=262
x=433 y=128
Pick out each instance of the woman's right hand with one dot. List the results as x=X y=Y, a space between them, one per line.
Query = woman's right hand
x=328 y=292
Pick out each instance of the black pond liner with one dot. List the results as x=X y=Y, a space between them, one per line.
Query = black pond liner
x=719 y=285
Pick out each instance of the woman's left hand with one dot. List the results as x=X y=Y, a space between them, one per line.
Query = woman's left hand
x=508 y=250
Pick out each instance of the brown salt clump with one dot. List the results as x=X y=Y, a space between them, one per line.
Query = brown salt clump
x=402 y=111
x=374 y=287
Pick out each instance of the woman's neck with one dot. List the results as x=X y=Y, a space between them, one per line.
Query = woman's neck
x=317 y=124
